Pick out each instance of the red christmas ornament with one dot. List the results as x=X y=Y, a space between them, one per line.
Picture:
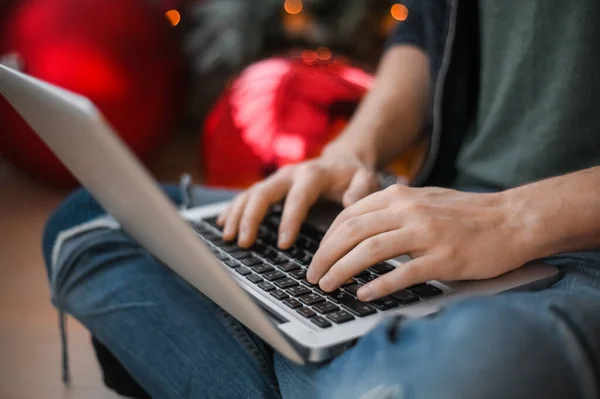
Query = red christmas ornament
x=123 y=55
x=279 y=111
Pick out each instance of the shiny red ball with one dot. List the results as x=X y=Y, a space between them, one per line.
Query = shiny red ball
x=123 y=55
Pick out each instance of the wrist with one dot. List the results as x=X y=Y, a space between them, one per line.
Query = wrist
x=526 y=224
x=362 y=151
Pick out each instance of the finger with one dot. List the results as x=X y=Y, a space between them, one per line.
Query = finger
x=233 y=218
x=371 y=203
x=304 y=193
x=222 y=218
x=375 y=249
x=416 y=271
x=362 y=184
x=347 y=236
x=266 y=194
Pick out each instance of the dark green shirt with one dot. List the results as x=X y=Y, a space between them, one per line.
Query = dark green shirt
x=539 y=103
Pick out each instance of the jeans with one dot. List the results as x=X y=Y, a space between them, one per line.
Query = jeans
x=178 y=344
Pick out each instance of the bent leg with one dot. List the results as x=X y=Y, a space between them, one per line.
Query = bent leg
x=516 y=345
x=173 y=340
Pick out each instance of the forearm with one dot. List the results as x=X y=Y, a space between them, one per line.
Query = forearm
x=391 y=117
x=558 y=215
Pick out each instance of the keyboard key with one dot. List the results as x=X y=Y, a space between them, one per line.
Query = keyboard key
x=353 y=288
x=269 y=253
x=231 y=263
x=305 y=259
x=279 y=260
x=298 y=290
x=349 y=282
x=306 y=312
x=292 y=303
x=288 y=267
x=341 y=316
x=404 y=297
x=230 y=248
x=274 y=275
x=321 y=322
x=244 y=271
x=251 y=261
x=325 y=307
x=363 y=274
x=367 y=279
x=425 y=290
x=279 y=295
x=384 y=303
x=260 y=269
x=285 y=283
x=305 y=282
x=333 y=295
x=199 y=227
x=381 y=268
x=254 y=278
x=292 y=251
x=298 y=274
x=240 y=254
x=221 y=256
x=266 y=286
x=311 y=299
x=355 y=306
x=259 y=248
x=218 y=241
x=312 y=233
x=210 y=236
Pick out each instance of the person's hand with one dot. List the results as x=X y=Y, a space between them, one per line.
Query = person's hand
x=450 y=235
x=337 y=175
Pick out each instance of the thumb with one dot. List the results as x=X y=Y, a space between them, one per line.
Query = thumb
x=363 y=183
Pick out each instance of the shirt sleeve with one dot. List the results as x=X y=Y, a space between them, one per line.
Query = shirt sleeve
x=412 y=29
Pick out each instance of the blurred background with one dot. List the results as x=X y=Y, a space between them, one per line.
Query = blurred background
x=226 y=90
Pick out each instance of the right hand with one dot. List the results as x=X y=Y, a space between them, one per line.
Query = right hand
x=336 y=175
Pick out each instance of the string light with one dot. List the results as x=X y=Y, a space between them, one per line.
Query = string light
x=174 y=17
x=323 y=53
x=399 y=12
x=309 y=56
x=292 y=6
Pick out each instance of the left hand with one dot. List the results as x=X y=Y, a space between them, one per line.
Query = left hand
x=450 y=235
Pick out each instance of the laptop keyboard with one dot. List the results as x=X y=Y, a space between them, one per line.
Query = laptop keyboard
x=283 y=275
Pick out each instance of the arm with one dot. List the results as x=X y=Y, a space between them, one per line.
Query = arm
x=391 y=117
x=558 y=215
x=454 y=235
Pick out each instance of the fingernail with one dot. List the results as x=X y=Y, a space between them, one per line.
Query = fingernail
x=311 y=275
x=243 y=237
x=365 y=293
x=325 y=283
x=282 y=239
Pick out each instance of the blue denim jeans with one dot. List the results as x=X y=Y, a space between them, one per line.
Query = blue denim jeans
x=178 y=344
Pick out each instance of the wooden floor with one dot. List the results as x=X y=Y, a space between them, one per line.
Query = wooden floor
x=29 y=340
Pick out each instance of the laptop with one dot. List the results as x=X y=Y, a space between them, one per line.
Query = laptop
x=263 y=287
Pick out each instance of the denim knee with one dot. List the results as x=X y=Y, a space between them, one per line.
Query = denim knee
x=504 y=346
x=80 y=207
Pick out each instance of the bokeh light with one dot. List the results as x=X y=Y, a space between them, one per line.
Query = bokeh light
x=324 y=54
x=309 y=56
x=292 y=6
x=174 y=17
x=399 y=12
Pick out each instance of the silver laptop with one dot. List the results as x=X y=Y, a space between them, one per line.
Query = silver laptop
x=263 y=288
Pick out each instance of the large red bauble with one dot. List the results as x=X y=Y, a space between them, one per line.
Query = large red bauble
x=123 y=55
x=277 y=112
